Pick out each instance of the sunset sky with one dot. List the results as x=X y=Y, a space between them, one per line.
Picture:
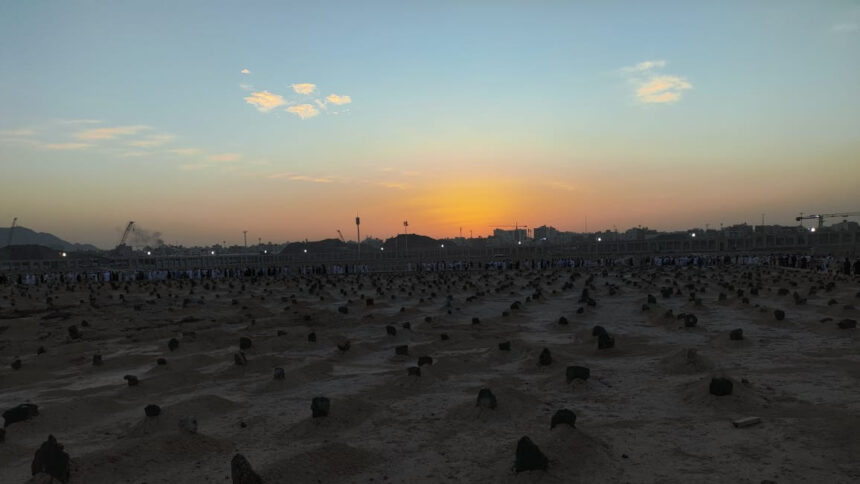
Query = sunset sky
x=201 y=119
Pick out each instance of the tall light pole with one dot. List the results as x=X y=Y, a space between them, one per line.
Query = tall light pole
x=245 y=235
x=358 y=235
x=406 y=238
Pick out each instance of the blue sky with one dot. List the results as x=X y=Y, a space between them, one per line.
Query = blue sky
x=666 y=114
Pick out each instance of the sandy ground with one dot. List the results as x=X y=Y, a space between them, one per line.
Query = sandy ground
x=645 y=415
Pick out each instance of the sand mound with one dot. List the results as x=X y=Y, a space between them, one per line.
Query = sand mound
x=332 y=462
x=687 y=361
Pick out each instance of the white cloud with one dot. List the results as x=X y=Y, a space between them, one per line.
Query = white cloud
x=393 y=185
x=662 y=89
x=110 y=133
x=17 y=133
x=245 y=71
x=335 y=99
x=265 y=101
x=67 y=146
x=304 y=88
x=302 y=178
x=844 y=28
x=186 y=151
x=653 y=88
x=645 y=66
x=303 y=111
x=225 y=157
x=154 y=140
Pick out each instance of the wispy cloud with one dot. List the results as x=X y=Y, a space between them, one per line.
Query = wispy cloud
x=110 y=133
x=645 y=66
x=845 y=28
x=193 y=166
x=265 y=101
x=78 y=121
x=132 y=154
x=17 y=133
x=186 y=151
x=153 y=140
x=655 y=88
x=245 y=71
x=304 y=88
x=66 y=146
x=335 y=99
x=303 y=111
x=246 y=87
x=662 y=89
x=224 y=157
x=301 y=178
x=393 y=185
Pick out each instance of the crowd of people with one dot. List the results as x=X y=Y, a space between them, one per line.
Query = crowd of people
x=823 y=263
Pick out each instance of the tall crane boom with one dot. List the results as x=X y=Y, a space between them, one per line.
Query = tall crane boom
x=11 y=231
x=340 y=235
x=821 y=216
x=128 y=229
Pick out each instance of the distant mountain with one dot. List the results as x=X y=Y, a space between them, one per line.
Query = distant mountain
x=25 y=236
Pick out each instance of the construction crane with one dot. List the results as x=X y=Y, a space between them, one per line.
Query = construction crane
x=128 y=229
x=11 y=231
x=340 y=235
x=821 y=216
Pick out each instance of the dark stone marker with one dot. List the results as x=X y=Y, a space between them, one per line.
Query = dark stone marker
x=241 y=471
x=343 y=310
x=369 y=301
x=847 y=324
x=736 y=334
x=444 y=337
x=401 y=350
x=562 y=320
x=505 y=346
x=161 y=362
x=344 y=347
x=320 y=407
x=721 y=387
x=486 y=399
x=413 y=371
x=408 y=326
x=690 y=320
x=391 y=330
x=240 y=359
x=132 y=380
x=563 y=416
x=97 y=360
x=597 y=331
x=529 y=457
x=604 y=342
x=173 y=344
x=16 y=365
x=152 y=410
x=476 y=321
x=779 y=314
x=52 y=460
x=244 y=343
x=312 y=337
x=74 y=332
x=279 y=374
x=580 y=310
x=652 y=299
x=577 y=372
x=425 y=360
x=545 y=358
x=20 y=413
